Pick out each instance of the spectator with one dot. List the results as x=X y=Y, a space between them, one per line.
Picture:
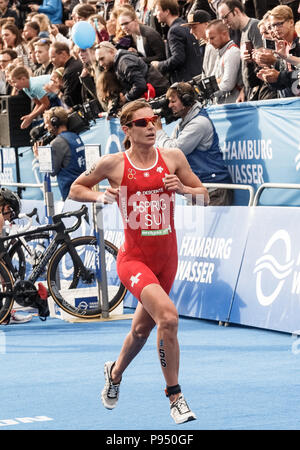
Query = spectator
x=134 y=75
x=12 y=38
x=6 y=57
x=88 y=75
x=233 y=15
x=6 y=11
x=145 y=12
x=41 y=50
x=33 y=64
x=34 y=88
x=52 y=8
x=30 y=30
x=67 y=149
x=183 y=56
x=55 y=84
x=147 y=41
x=60 y=57
x=265 y=57
x=228 y=67
x=288 y=48
x=197 y=22
x=11 y=90
x=105 y=7
x=196 y=136
x=82 y=11
x=44 y=23
x=108 y=91
x=99 y=24
x=68 y=6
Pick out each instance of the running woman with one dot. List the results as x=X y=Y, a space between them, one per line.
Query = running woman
x=144 y=180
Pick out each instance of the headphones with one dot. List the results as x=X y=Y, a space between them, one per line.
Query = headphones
x=55 y=121
x=186 y=98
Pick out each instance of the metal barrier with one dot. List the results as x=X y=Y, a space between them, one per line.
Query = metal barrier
x=244 y=187
x=29 y=185
x=264 y=186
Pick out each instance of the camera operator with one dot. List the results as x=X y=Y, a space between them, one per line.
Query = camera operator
x=68 y=155
x=196 y=136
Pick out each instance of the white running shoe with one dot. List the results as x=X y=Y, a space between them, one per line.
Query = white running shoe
x=180 y=411
x=110 y=393
x=19 y=318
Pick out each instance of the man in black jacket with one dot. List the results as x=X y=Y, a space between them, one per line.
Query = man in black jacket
x=184 y=60
x=60 y=57
x=134 y=75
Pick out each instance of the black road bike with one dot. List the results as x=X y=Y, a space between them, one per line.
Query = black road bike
x=70 y=266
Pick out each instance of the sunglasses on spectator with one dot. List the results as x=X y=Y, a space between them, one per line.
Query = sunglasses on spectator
x=142 y=123
x=278 y=24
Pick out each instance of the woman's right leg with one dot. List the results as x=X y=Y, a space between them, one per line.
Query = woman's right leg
x=142 y=325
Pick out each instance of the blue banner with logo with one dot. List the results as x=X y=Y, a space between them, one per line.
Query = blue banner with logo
x=209 y=260
x=235 y=264
x=268 y=288
x=260 y=142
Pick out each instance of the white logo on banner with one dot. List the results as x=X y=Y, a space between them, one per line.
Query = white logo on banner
x=279 y=271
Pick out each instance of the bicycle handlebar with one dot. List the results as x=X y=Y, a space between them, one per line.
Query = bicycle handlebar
x=83 y=211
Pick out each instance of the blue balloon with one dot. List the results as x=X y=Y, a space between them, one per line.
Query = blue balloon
x=83 y=34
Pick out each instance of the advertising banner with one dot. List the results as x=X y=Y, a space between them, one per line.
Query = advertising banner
x=260 y=142
x=268 y=289
x=209 y=257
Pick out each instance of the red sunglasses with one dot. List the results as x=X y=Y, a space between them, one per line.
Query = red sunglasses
x=143 y=122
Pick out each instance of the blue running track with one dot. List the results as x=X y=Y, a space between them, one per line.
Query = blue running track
x=234 y=378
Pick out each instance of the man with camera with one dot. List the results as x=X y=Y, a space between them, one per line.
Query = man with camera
x=196 y=136
x=67 y=149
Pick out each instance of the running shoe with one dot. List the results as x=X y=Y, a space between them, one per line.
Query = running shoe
x=180 y=411
x=19 y=318
x=110 y=393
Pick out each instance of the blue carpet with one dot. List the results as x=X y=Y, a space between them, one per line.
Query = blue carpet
x=234 y=378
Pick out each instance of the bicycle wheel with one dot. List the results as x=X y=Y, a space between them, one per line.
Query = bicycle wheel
x=73 y=286
x=6 y=292
x=25 y=257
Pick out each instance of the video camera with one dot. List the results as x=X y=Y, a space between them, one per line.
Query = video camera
x=78 y=122
x=204 y=87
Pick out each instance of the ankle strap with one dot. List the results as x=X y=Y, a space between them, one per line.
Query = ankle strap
x=171 y=390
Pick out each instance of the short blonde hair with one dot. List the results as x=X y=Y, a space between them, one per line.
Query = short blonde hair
x=283 y=12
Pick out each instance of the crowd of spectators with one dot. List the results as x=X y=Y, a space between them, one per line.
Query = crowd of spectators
x=141 y=47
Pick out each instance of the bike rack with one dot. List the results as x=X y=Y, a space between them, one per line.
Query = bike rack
x=264 y=186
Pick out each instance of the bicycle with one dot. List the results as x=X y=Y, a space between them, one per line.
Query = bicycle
x=71 y=269
x=25 y=250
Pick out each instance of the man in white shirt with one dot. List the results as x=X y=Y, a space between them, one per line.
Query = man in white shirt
x=228 y=64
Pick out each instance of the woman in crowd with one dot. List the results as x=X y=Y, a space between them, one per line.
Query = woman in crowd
x=12 y=38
